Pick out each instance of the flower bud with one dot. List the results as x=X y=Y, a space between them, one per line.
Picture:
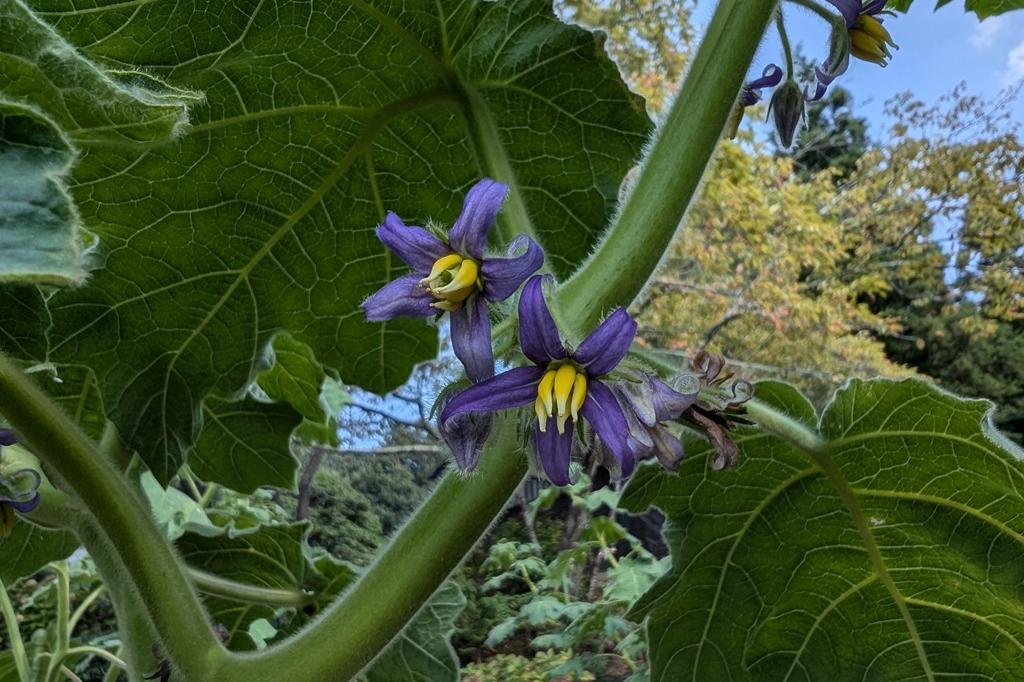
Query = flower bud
x=787 y=109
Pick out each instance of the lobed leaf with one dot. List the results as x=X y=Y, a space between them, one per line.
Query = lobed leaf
x=316 y=120
x=895 y=553
x=983 y=8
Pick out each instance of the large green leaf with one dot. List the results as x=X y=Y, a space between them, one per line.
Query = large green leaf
x=273 y=557
x=422 y=653
x=23 y=322
x=277 y=558
x=983 y=8
x=245 y=444
x=317 y=119
x=897 y=553
x=298 y=378
x=29 y=548
x=39 y=229
x=52 y=98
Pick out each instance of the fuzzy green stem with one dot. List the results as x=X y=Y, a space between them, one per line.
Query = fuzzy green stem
x=113 y=673
x=148 y=559
x=17 y=644
x=785 y=427
x=787 y=51
x=60 y=648
x=83 y=607
x=236 y=591
x=634 y=244
x=96 y=651
x=406 y=574
x=830 y=17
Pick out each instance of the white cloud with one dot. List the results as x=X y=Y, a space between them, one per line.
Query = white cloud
x=986 y=31
x=1015 y=65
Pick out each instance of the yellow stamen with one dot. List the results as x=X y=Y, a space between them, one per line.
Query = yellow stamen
x=542 y=414
x=874 y=28
x=447 y=306
x=865 y=47
x=465 y=278
x=560 y=394
x=579 y=394
x=440 y=265
x=564 y=381
x=544 y=393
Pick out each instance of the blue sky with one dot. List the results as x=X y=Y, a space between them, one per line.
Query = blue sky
x=937 y=51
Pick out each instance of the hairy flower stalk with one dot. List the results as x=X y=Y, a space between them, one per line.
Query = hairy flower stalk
x=456 y=276
x=562 y=385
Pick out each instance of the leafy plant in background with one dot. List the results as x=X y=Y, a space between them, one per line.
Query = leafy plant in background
x=190 y=192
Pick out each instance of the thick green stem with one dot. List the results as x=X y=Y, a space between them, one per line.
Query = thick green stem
x=148 y=559
x=409 y=570
x=134 y=627
x=15 y=642
x=634 y=244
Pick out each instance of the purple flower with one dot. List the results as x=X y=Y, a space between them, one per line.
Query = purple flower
x=869 y=40
x=19 y=492
x=456 y=277
x=751 y=93
x=562 y=385
x=648 y=403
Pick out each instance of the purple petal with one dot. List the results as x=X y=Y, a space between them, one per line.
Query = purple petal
x=538 y=335
x=417 y=247
x=514 y=388
x=873 y=7
x=7 y=437
x=468 y=235
x=471 y=338
x=850 y=9
x=638 y=435
x=466 y=435
x=748 y=97
x=554 y=451
x=403 y=297
x=819 y=92
x=605 y=415
x=502 y=276
x=668 y=402
x=667 y=448
x=770 y=77
x=23 y=506
x=17 y=495
x=608 y=344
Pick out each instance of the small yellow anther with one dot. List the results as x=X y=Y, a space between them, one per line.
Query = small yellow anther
x=547 y=382
x=440 y=265
x=564 y=379
x=542 y=414
x=465 y=278
x=579 y=394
